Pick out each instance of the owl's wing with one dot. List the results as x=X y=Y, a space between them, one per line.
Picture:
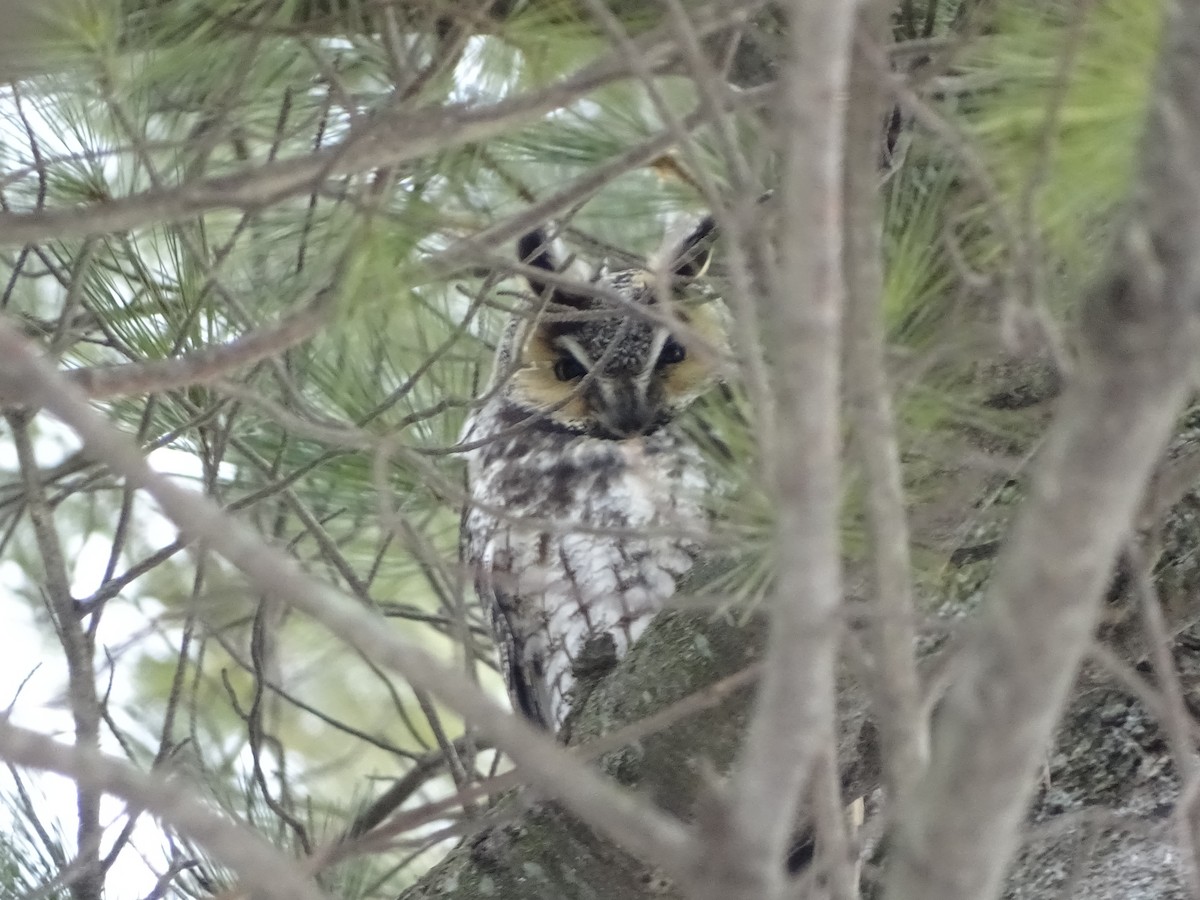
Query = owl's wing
x=521 y=660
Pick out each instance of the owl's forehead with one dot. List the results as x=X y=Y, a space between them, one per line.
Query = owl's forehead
x=612 y=331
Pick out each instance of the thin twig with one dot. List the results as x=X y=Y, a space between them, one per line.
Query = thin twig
x=896 y=686
x=259 y=864
x=1177 y=720
x=78 y=650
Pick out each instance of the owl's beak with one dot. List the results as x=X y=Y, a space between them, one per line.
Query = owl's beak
x=629 y=411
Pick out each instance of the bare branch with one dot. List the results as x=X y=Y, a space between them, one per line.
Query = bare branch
x=1178 y=720
x=895 y=684
x=203 y=366
x=794 y=716
x=87 y=881
x=259 y=864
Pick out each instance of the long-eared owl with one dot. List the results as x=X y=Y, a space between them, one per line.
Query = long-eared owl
x=587 y=498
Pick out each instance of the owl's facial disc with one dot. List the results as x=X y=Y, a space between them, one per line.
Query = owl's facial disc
x=616 y=378
x=624 y=401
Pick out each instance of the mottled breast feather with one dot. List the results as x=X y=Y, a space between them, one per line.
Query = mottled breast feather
x=572 y=539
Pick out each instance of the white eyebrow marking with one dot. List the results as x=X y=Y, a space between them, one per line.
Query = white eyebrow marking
x=656 y=347
x=573 y=347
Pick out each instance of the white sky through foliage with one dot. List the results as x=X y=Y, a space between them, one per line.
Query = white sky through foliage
x=33 y=674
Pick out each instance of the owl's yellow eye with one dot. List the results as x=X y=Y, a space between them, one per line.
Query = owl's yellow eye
x=568 y=368
x=672 y=353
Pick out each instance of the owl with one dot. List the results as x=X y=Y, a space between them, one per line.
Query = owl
x=587 y=500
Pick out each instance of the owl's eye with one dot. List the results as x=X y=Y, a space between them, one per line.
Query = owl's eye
x=672 y=352
x=568 y=368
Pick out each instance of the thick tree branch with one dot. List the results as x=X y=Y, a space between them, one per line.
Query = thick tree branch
x=529 y=849
x=958 y=835
x=679 y=655
x=794 y=712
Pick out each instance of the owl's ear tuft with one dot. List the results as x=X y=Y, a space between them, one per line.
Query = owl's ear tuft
x=534 y=250
x=692 y=255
